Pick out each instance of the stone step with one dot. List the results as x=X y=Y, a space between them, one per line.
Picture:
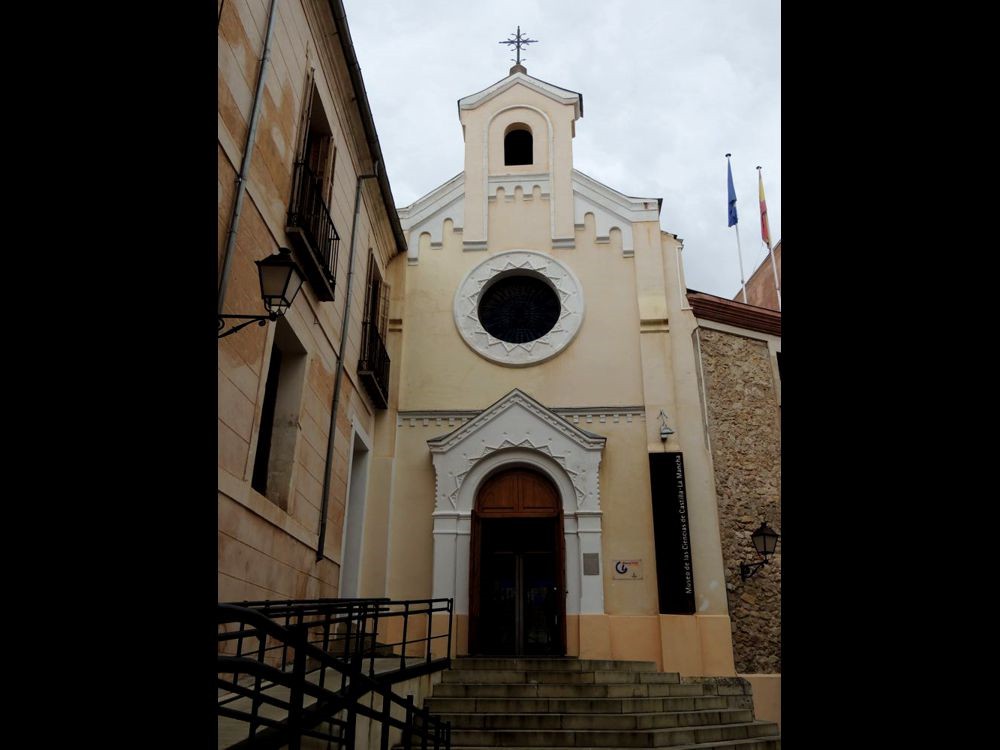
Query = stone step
x=565 y=663
x=615 y=722
x=641 y=690
x=586 y=705
x=556 y=677
x=593 y=738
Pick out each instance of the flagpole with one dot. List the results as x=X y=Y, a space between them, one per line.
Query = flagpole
x=774 y=268
x=770 y=251
x=739 y=250
x=739 y=253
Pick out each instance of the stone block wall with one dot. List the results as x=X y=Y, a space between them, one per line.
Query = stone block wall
x=745 y=433
x=267 y=545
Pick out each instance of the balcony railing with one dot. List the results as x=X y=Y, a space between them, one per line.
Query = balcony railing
x=373 y=367
x=313 y=232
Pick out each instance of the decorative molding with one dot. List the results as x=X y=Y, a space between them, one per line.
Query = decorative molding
x=516 y=431
x=519 y=262
x=429 y=213
x=457 y=417
x=611 y=209
x=654 y=325
x=530 y=415
x=511 y=182
x=526 y=443
x=517 y=397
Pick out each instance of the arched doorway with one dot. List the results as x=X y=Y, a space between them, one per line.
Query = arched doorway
x=517 y=581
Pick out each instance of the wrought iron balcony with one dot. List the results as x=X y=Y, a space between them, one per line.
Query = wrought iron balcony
x=373 y=367
x=312 y=231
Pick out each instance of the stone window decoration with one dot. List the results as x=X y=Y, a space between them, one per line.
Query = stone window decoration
x=519 y=308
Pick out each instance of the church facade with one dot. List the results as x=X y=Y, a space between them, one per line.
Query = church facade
x=549 y=439
x=542 y=328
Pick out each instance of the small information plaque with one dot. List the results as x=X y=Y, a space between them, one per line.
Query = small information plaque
x=627 y=570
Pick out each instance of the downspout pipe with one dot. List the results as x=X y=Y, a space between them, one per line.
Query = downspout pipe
x=328 y=472
x=241 y=178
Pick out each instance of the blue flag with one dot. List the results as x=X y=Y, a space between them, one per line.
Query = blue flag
x=732 y=195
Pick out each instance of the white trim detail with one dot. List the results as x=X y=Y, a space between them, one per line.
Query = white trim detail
x=355 y=512
x=510 y=182
x=611 y=209
x=563 y=96
x=428 y=214
x=519 y=262
x=517 y=431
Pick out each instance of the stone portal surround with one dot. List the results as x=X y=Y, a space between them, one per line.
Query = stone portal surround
x=517 y=431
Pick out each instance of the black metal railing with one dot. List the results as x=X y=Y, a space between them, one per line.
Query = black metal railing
x=309 y=219
x=373 y=367
x=300 y=668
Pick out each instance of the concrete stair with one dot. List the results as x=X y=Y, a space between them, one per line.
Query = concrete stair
x=579 y=703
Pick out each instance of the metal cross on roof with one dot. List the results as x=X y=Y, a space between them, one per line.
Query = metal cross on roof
x=518 y=41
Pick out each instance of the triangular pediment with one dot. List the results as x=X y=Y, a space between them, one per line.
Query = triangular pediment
x=429 y=205
x=563 y=96
x=516 y=421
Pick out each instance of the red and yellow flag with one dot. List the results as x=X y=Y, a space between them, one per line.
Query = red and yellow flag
x=765 y=228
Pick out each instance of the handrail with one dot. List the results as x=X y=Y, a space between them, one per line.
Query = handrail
x=276 y=654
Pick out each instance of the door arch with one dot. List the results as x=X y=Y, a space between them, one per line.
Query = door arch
x=517 y=581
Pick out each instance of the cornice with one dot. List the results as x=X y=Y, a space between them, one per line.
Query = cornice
x=561 y=95
x=516 y=397
x=737 y=314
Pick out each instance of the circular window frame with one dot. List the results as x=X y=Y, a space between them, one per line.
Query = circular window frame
x=519 y=263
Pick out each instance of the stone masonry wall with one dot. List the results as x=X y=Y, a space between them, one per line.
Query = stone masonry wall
x=267 y=548
x=745 y=434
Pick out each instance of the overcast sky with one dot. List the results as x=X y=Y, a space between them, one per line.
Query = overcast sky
x=669 y=87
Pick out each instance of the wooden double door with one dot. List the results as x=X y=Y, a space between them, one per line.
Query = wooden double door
x=517 y=573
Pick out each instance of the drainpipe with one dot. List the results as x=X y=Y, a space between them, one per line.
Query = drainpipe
x=340 y=365
x=241 y=178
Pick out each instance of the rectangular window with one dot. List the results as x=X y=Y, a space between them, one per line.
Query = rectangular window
x=376 y=299
x=674 y=569
x=279 y=417
x=309 y=222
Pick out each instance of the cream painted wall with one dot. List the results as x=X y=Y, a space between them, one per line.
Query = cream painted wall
x=628 y=518
x=634 y=348
x=593 y=370
x=552 y=126
x=411 y=544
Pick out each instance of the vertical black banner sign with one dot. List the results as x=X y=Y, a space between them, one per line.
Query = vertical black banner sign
x=674 y=570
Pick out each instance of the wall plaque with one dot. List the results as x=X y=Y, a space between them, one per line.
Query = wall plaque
x=627 y=570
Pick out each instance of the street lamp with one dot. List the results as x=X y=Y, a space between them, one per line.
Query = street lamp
x=765 y=541
x=280 y=281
